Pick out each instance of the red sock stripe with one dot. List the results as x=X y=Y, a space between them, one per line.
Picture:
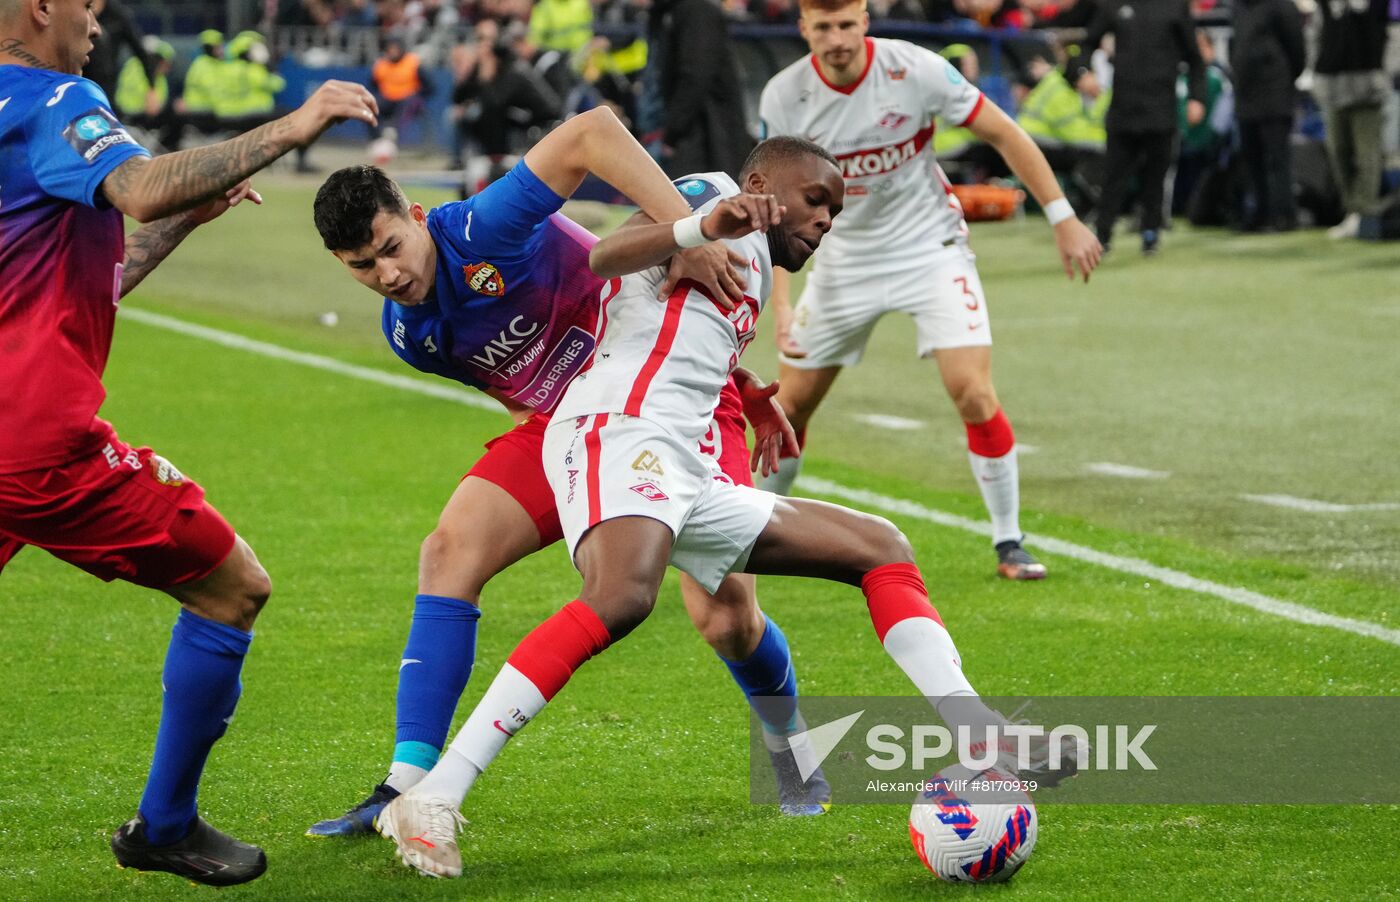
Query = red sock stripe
x=993 y=438
x=552 y=651
x=593 y=448
x=665 y=337
x=896 y=592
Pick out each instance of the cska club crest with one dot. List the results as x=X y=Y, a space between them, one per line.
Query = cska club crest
x=896 y=74
x=484 y=278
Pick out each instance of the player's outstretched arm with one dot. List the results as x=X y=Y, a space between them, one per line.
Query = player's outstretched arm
x=150 y=189
x=641 y=243
x=597 y=142
x=149 y=245
x=1077 y=244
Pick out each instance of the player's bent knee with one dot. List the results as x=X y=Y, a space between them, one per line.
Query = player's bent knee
x=887 y=544
x=622 y=608
x=900 y=550
x=976 y=403
x=234 y=594
x=731 y=632
x=450 y=564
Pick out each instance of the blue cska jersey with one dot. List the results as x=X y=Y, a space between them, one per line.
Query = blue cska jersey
x=514 y=307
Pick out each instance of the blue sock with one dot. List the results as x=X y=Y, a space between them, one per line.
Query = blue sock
x=768 y=673
x=201 y=690
x=437 y=662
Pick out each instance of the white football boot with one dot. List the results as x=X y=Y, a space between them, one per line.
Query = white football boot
x=424 y=831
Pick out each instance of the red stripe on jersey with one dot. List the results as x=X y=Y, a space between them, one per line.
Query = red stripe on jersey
x=887 y=158
x=847 y=89
x=977 y=108
x=593 y=447
x=670 y=325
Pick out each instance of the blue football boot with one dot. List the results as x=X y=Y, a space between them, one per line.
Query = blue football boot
x=358 y=821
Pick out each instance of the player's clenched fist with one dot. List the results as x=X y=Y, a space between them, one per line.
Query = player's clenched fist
x=333 y=102
x=740 y=215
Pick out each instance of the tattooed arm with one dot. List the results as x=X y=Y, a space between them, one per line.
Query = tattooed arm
x=149 y=245
x=151 y=189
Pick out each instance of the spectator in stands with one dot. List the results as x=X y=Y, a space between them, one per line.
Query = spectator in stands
x=1203 y=160
x=1062 y=113
x=497 y=96
x=777 y=12
x=390 y=15
x=983 y=12
x=248 y=98
x=561 y=25
x=440 y=14
x=400 y=84
x=1151 y=39
x=145 y=101
x=1267 y=56
x=203 y=82
x=1055 y=113
x=305 y=13
x=704 y=129
x=119 y=30
x=1351 y=87
x=1064 y=14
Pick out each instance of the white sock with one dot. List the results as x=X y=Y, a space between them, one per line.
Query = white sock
x=510 y=702
x=1000 y=482
x=924 y=650
x=404 y=777
x=780 y=483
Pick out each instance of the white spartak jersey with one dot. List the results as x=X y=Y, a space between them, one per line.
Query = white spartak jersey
x=899 y=204
x=667 y=361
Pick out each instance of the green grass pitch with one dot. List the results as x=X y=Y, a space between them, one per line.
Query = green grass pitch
x=1238 y=366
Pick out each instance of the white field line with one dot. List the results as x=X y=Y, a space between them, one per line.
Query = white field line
x=1123 y=471
x=899 y=506
x=1174 y=578
x=441 y=389
x=885 y=421
x=1319 y=507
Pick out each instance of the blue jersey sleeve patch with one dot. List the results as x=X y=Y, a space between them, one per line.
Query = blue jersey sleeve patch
x=75 y=142
x=697 y=192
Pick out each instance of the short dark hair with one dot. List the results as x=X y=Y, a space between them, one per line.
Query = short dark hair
x=774 y=152
x=348 y=202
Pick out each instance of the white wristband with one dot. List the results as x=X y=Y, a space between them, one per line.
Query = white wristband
x=687 y=232
x=1058 y=210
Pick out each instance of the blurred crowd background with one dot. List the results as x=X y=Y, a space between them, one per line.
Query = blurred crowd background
x=1287 y=112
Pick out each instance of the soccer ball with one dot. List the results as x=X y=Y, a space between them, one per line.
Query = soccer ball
x=385 y=148
x=979 y=841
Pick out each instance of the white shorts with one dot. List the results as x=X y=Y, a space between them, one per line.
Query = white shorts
x=609 y=465
x=835 y=315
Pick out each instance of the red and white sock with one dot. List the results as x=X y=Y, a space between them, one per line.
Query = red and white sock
x=909 y=627
x=535 y=672
x=991 y=449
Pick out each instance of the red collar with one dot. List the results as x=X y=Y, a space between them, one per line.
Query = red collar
x=847 y=89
